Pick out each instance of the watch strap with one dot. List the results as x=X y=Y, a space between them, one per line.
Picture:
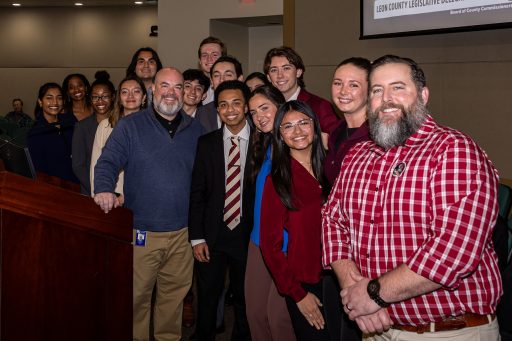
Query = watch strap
x=373 y=289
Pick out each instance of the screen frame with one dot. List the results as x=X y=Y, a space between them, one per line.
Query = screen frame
x=20 y=161
x=468 y=28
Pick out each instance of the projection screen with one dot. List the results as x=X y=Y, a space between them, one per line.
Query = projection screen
x=384 y=18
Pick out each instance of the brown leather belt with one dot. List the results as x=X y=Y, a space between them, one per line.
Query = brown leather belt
x=451 y=323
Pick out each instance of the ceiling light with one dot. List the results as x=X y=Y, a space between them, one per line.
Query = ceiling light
x=16 y=4
x=138 y=2
x=78 y=4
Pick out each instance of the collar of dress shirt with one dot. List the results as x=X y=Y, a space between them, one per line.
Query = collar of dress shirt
x=295 y=95
x=243 y=134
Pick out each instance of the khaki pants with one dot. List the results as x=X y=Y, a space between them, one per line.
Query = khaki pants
x=166 y=260
x=486 y=332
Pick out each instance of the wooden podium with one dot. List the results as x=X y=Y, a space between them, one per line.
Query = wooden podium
x=66 y=267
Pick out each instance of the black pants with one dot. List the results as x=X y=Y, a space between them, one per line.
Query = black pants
x=303 y=330
x=340 y=326
x=229 y=251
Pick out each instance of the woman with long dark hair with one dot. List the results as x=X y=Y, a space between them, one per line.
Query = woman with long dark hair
x=49 y=140
x=130 y=98
x=292 y=199
x=267 y=314
x=102 y=98
x=77 y=89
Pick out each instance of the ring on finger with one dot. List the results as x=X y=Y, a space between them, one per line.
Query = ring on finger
x=348 y=308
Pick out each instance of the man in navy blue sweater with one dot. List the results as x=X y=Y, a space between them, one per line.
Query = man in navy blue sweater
x=156 y=149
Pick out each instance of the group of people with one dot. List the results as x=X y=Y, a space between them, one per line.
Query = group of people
x=373 y=225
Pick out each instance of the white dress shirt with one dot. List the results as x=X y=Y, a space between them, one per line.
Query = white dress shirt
x=295 y=95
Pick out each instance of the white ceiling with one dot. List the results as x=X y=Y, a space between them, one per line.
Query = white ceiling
x=58 y=3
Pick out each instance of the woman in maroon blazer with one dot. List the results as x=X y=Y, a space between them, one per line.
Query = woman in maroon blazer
x=292 y=199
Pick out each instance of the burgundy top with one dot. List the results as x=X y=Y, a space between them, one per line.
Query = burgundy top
x=323 y=110
x=339 y=147
x=303 y=263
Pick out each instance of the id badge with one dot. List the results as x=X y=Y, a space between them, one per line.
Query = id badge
x=140 y=238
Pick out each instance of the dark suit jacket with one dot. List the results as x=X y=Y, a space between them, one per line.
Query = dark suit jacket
x=207 y=116
x=83 y=139
x=323 y=110
x=208 y=190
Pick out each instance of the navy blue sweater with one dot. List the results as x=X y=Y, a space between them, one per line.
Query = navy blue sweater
x=157 y=169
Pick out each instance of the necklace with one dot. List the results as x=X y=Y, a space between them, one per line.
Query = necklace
x=304 y=163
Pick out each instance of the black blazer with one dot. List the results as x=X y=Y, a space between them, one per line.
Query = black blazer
x=208 y=190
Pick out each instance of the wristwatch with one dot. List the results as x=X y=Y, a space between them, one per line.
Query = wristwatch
x=373 y=290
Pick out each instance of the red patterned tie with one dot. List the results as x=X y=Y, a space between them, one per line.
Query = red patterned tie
x=232 y=199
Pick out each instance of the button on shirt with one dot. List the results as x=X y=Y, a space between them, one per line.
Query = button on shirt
x=430 y=204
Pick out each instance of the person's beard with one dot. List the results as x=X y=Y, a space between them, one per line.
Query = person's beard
x=168 y=109
x=390 y=134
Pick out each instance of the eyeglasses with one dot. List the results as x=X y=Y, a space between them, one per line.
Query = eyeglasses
x=303 y=125
x=98 y=98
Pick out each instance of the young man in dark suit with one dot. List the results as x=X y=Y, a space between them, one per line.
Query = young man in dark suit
x=221 y=209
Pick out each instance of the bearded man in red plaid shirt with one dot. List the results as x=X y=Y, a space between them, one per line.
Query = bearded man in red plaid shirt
x=407 y=227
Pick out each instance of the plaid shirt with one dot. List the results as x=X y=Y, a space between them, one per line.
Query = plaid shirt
x=430 y=204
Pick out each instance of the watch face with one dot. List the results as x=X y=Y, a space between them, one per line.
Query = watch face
x=373 y=287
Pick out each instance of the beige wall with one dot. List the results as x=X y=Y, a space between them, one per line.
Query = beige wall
x=262 y=39
x=234 y=36
x=183 y=24
x=469 y=74
x=45 y=44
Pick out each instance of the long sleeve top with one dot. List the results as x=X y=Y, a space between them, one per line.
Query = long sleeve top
x=102 y=134
x=303 y=262
x=83 y=139
x=49 y=145
x=157 y=169
x=265 y=169
x=429 y=204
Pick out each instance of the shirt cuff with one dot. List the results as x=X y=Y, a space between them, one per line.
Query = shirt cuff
x=298 y=293
x=197 y=242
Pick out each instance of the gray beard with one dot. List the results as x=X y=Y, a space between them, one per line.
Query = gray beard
x=389 y=135
x=166 y=109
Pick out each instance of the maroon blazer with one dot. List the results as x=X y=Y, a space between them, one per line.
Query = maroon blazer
x=323 y=110
x=303 y=261
x=332 y=162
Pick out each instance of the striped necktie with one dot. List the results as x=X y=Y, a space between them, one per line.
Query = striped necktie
x=232 y=199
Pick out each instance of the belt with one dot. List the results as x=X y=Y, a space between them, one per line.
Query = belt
x=451 y=323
